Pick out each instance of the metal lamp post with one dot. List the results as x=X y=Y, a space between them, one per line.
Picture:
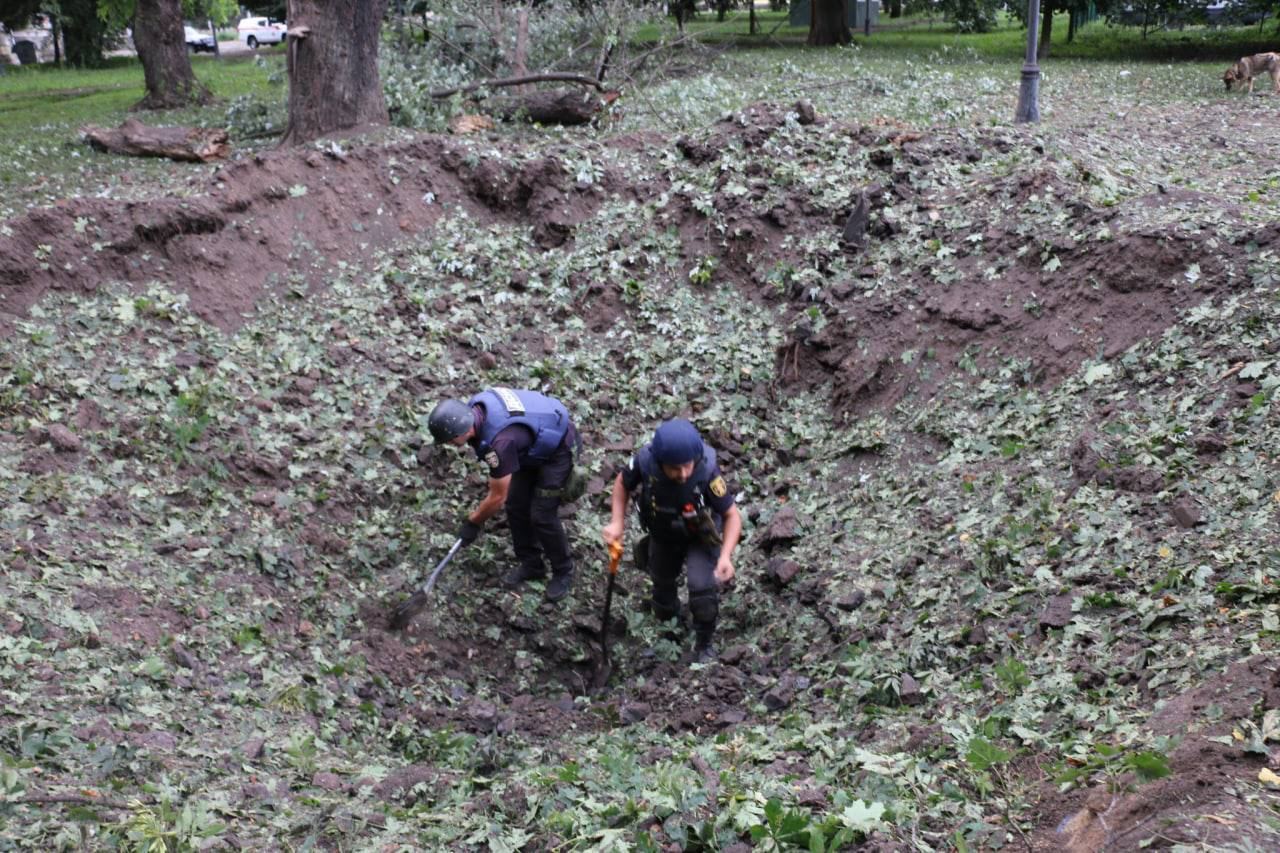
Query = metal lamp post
x=1029 y=92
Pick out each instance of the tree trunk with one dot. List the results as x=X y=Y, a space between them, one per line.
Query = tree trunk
x=56 y=26
x=166 y=67
x=829 y=23
x=751 y=17
x=1046 y=30
x=217 y=51
x=333 y=67
x=1071 y=26
x=895 y=8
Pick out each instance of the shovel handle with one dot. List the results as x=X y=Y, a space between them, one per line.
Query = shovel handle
x=431 y=581
x=615 y=557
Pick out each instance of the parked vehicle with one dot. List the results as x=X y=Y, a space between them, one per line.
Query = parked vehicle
x=197 y=41
x=255 y=31
x=1235 y=12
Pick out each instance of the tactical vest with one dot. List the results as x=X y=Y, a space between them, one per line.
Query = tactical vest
x=662 y=501
x=545 y=416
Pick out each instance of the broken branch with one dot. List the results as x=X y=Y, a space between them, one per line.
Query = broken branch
x=545 y=77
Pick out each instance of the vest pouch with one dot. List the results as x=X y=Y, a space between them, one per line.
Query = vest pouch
x=574 y=487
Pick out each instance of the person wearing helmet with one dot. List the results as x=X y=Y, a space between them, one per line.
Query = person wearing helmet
x=528 y=441
x=692 y=523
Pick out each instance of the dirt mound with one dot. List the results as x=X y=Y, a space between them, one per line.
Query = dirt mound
x=1194 y=804
x=911 y=274
x=282 y=220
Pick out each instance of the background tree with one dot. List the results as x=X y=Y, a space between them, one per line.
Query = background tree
x=972 y=16
x=162 y=49
x=221 y=12
x=333 y=67
x=85 y=34
x=829 y=23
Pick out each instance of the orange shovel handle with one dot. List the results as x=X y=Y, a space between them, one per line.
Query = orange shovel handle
x=615 y=557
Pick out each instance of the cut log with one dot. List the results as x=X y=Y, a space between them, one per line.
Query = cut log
x=188 y=144
x=567 y=107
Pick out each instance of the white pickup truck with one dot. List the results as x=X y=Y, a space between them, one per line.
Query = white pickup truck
x=255 y=31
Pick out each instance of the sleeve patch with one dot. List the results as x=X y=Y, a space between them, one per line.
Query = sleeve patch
x=491 y=459
x=718 y=487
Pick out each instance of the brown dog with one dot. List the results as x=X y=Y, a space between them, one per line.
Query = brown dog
x=1254 y=66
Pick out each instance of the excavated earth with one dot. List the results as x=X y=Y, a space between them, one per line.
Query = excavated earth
x=286 y=219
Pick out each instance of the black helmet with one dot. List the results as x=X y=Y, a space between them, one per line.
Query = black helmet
x=449 y=419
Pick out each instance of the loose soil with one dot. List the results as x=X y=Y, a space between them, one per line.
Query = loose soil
x=288 y=219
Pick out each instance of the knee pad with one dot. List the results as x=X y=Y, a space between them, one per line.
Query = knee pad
x=704 y=606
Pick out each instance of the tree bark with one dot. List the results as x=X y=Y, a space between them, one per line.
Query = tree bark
x=188 y=144
x=166 y=67
x=829 y=23
x=333 y=67
x=1046 y=30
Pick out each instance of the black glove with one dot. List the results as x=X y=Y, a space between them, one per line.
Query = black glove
x=468 y=532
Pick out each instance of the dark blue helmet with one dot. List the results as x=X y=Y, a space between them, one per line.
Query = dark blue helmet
x=676 y=442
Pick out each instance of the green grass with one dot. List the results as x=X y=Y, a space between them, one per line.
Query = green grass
x=42 y=109
x=1006 y=41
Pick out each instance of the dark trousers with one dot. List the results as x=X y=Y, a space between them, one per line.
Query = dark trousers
x=666 y=559
x=533 y=504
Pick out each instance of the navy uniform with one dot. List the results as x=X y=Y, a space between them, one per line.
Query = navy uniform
x=528 y=441
x=691 y=519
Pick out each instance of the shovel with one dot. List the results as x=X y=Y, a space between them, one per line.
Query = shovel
x=606 y=668
x=403 y=615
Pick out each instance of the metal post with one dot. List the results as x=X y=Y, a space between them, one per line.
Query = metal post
x=866 y=19
x=1029 y=92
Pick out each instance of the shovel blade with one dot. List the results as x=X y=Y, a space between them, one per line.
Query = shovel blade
x=404 y=613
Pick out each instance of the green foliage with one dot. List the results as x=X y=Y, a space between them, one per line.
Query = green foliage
x=1110 y=762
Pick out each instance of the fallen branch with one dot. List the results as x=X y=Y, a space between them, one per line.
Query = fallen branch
x=135 y=139
x=70 y=800
x=560 y=106
x=545 y=77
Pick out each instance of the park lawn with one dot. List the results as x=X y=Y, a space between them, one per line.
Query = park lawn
x=1096 y=40
x=914 y=69
x=42 y=108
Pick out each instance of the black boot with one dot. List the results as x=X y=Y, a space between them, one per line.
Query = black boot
x=704 y=651
x=559 y=586
x=704 y=605
x=521 y=573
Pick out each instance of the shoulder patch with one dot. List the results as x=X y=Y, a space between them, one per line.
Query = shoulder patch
x=718 y=487
x=491 y=459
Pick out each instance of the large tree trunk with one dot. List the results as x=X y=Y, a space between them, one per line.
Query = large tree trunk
x=895 y=8
x=829 y=23
x=1046 y=30
x=333 y=67
x=157 y=35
